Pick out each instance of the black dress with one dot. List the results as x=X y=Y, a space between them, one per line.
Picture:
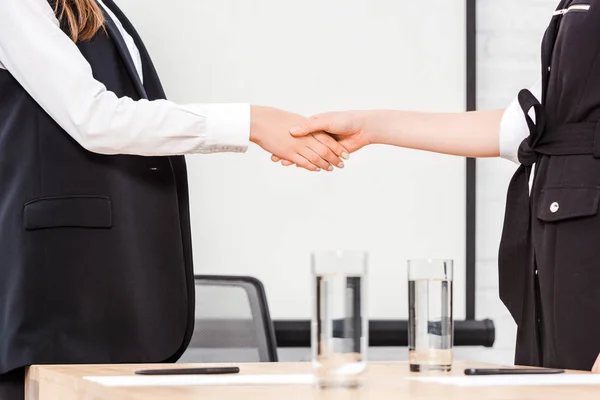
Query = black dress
x=549 y=260
x=95 y=254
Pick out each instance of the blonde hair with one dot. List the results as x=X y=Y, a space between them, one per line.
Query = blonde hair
x=82 y=18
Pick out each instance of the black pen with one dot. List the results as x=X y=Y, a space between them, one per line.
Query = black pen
x=511 y=371
x=190 y=371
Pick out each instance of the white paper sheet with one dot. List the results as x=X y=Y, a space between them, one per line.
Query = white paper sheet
x=515 y=380
x=199 y=380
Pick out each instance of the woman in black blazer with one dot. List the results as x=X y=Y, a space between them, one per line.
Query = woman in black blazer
x=95 y=250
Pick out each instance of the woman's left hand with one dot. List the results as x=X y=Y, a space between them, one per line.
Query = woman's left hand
x=596 y=367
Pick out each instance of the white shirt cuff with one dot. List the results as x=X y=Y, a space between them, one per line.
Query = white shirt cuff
x=227 y=127
x=513 y=127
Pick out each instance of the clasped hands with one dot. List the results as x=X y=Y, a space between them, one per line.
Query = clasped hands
x=321 y=142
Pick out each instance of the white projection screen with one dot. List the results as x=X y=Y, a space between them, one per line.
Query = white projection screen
x=253 y=217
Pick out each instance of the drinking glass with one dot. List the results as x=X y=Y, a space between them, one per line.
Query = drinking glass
x=339 y=322
x=430 y=324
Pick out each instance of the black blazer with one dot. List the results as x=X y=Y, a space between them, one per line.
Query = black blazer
x=549 y=258
x=95 y=250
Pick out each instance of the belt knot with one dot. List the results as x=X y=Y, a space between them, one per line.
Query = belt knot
x=527 y=156
x=527 y=150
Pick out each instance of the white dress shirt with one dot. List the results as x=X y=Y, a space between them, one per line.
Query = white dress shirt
x=53 y=71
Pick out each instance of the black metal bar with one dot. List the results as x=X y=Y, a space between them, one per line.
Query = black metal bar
x=471 y=162
x=470 y=283
x=388 y=333
x=471 y=55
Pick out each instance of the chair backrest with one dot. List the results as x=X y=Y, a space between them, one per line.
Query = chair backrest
x=233 y=323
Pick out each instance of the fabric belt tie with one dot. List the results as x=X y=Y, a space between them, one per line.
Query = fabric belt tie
x=516 y=256
x=567 y=139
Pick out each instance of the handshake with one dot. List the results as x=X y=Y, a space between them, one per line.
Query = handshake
x=318 y=143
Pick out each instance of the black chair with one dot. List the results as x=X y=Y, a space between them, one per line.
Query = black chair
x=233 y=323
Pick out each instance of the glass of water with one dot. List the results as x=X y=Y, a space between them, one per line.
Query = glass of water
x=339 y=322
x=430 y=324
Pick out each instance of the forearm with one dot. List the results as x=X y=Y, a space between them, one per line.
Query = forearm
x=469 y=134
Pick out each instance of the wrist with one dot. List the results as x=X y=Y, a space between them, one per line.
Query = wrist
x=383 y=126
x=258 y=116
x=368 y=122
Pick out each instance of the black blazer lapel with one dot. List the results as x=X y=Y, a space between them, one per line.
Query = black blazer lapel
x=115 y=35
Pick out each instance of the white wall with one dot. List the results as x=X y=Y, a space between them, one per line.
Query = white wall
x=250 y=216
x=509 y=34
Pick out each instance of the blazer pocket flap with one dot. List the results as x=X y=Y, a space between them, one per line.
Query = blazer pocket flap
x=70 y=211
x=560 y=203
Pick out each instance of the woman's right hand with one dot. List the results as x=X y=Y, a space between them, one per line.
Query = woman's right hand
x=347 y=127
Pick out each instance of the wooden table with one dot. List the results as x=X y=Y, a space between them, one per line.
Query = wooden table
x=382 y=381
